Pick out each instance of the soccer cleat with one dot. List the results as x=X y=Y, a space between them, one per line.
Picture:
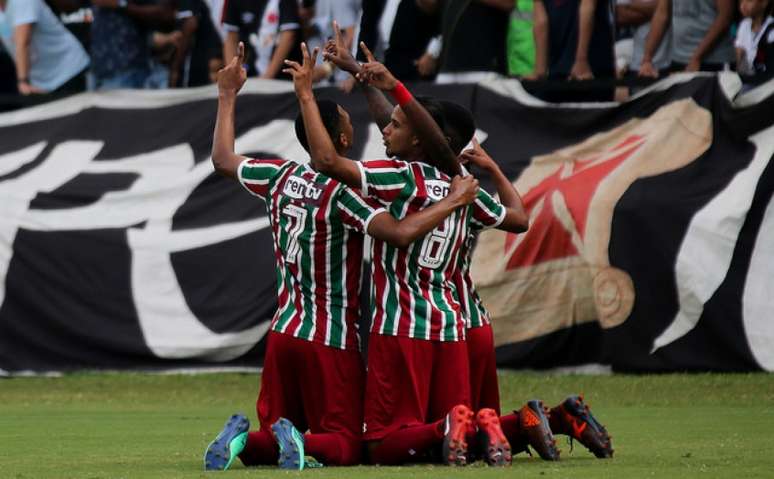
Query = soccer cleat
x=227 y=444
x=456 y=425
x=575 y=420
x=291 y=444
x=535 y=427
x=492 y=441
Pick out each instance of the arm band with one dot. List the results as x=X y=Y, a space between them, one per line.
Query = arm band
x=401 y=94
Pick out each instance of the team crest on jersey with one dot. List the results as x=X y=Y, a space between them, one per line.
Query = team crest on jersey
x=300 y=189
x=437 y=189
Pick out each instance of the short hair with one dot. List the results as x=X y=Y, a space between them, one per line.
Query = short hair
x=329 y=112
x=460 y=125
x=433 y=106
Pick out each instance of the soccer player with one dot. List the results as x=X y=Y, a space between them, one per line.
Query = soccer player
x=313 y=374
x=417 y=388
x=533 y=424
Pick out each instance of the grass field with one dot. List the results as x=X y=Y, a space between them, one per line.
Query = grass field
x=153 y=426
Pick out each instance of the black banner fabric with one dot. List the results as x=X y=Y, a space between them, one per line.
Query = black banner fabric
x=650 y=247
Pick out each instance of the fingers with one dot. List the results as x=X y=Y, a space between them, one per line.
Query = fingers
x=308 y=59
x=292 y=64
x=476 y=145
x=241 y=53
x=369 y=56
x=337 y=33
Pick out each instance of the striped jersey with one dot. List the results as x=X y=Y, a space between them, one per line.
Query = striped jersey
x=471 y=305
x=412 y=290
x=317 y=228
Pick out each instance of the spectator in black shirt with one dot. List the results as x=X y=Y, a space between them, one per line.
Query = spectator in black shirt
x=270 y=30
x=474 y=39
x=398 y=31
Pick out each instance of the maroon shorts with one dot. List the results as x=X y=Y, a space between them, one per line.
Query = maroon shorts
x=317 y=387
x=484 y=389
x=412 y=382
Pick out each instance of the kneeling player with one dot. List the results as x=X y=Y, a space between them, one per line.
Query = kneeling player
x=313 y=375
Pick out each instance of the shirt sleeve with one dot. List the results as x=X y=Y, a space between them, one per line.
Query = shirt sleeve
x=487 y=212
x=26 y=11
x=185 y=9
x=289 y=20
x=231 y=16
x=384 y=179
x=355 y=211
x=257 y=176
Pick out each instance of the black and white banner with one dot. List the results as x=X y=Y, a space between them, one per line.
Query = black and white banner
x=651 y=246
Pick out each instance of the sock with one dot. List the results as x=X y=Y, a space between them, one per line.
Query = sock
x=406 y=445
x=511 y=429
x=333 y=449
x=555 y=420
x=261 y=448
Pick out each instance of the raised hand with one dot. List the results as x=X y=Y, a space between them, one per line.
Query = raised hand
x=477 y=156
x=302 y=74
x=463 y=190
x=337 y=53
x=233 y=76
x=375 y=73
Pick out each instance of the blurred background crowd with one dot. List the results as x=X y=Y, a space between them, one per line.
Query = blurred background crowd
x=68 y=46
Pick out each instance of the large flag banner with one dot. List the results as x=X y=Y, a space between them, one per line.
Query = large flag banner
x=651 y=246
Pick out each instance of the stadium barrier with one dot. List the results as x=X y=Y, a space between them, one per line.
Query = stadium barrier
x=649 y=248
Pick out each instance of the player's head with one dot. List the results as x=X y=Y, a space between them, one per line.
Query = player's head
x=460 y=125
x=337 y=123
x=399 y=136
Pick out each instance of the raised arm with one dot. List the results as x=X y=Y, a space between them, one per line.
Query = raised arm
x=414 y=226
x=336 y=52
x=230 y=81
x=324 y=157
x=433 y=140
x=516 y=218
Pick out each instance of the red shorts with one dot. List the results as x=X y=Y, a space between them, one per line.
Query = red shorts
x=484 y=389
x=317 y=387
x=412 y=382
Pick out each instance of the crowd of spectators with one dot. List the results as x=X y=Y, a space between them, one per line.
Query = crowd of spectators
x=65 y=46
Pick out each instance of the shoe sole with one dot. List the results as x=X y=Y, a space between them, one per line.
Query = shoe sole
x=455 y=449
x=497 y=449
x=219 y=454
x=291 y=445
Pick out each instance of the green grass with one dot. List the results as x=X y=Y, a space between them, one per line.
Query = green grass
x=151 y=426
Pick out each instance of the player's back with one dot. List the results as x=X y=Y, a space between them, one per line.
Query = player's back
x=471 y=306
x=317 y=226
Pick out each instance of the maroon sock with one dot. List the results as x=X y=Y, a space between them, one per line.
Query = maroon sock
x=555 y=420
x=261 y=448
x=511 y=428
x=409 y=444
x=333 y=449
